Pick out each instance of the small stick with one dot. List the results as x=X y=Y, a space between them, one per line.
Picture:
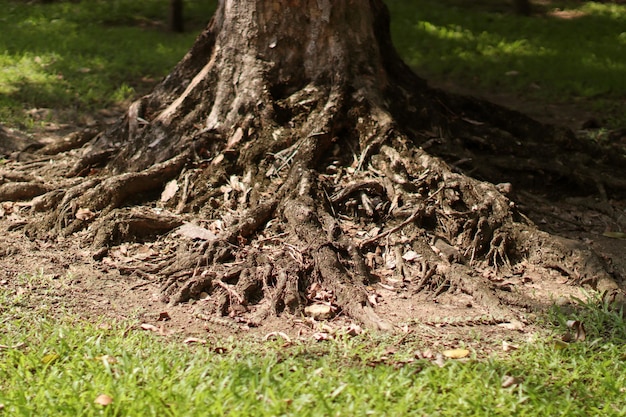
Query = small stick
x=17 y=346
x=232 y=292
x=393 y=229
x=401 y=225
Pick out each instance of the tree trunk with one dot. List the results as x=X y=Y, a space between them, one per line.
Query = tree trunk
x=296 y=139
x=523 y=7
x=175 y=16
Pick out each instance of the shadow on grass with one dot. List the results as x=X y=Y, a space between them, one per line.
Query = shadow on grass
x=601 y=320
x=87 y=54
x=556 y=54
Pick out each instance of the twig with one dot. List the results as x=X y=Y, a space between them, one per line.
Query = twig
x=16 y=346
x=357 y=186
x=275 y=237
x=392 y=230
x=404 y=337
x=185 y=194
x=142 y=284
x=277 y=334
x=330 y=202
x=286 y=156
x=230 y=291
x=428 y=272
x=412 y=217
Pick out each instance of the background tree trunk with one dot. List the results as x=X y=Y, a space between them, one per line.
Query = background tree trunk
x=175 y=16
x=523 y=7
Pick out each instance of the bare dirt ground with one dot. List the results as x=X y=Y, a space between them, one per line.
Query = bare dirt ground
x=111 y=288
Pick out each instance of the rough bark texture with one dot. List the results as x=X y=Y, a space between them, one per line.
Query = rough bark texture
x=298 y=149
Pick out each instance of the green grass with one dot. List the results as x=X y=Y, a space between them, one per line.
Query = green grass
x=80 y=56
x=83 y=56
x=483 y=45
x=66 y=363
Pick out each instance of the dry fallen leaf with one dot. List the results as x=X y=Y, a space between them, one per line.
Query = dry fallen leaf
x=440 y=361
x=151 y=327
x=509 y=381
x=164 y=316
x=319 y=311
x=579 y=328
x=50 y=358
x=313 y=290
x=615 y=235
x=354 y=330
x=144 y=252
x=169 y=191
x=427 y=354
x=507 y=347
x=372 y=298
x=84 y=214
x=103 y=399
x=374 y=231
x=456 y=353
x=192 y=340
x=193 y=231
x=320 y=336
x=410 y=256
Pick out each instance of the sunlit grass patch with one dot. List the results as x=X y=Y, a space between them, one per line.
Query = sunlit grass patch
x=93 y=54
x=543 y=56
x=62 y=365
x=86 y=55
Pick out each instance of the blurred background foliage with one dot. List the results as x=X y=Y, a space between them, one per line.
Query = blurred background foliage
x=77 y=57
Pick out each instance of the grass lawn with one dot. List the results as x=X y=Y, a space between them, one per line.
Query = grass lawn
x=78 y=57
x=568 y=52
x=81 y=56
x=55 y=364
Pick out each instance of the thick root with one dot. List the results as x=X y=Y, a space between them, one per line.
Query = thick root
x=306 y=176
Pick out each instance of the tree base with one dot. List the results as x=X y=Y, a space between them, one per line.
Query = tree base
x=338 y=235
x=314 y=182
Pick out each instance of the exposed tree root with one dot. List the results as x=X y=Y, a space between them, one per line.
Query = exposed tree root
x=328 y=227
x=307 y=179
x=16 y=191
x=72 y=141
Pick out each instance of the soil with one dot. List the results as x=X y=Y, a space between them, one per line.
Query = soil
x=113 y=287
